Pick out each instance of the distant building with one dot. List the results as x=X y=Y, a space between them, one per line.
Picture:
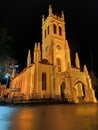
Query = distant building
x=51 y=75
x=4 y=91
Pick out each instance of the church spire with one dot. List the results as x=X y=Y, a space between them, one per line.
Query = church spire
x=39 y=52
x=66 y=44
x=43 y=19
x=29 y=59
x=50 y=10
x=62 y=14
x=35 y=47
x=35 y=50
x=85 y=69
x=12 y=74
x=77 y=61
x=38 y=46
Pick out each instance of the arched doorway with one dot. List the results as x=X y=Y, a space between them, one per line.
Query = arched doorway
x=62 y=88
x=80 y=91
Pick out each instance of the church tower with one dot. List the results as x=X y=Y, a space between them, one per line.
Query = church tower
x=54 y=44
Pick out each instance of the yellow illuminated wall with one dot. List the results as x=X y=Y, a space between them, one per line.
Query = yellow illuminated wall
x=52 y=58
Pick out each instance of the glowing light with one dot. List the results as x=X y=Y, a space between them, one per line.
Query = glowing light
x=7 y=75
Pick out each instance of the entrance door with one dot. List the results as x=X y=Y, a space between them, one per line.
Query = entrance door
x=62 y=87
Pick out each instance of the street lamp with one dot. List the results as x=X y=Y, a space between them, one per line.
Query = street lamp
x=7 y=77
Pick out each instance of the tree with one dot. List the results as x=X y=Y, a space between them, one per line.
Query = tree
x=94 y=80
x=6 y=54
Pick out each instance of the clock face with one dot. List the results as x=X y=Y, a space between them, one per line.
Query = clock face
x=58 y=47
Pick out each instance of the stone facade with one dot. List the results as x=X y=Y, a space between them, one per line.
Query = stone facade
x=51 y=75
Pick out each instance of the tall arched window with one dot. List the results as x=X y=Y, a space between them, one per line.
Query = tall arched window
x=54 y=29
x=43 y=81
x=59 y=64
x=48 y=29
x=60 y=30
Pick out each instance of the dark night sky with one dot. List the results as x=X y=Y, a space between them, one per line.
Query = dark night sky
x=22 y=18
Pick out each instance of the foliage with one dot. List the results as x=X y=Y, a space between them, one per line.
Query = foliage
x=6 y=54
x=94 y=80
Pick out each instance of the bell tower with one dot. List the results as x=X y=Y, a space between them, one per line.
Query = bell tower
x=54 y=44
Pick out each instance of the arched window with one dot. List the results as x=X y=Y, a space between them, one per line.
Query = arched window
x=59 y=64
x=54 y=29
x=62 y=87
x=48 y=29
x=80 y=91
x=45 y=33
x=60 y=30
x=43 y=81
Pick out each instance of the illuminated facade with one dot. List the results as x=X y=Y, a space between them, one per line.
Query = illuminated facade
x=51 y=74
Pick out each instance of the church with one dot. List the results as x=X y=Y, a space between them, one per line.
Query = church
x=51 y=75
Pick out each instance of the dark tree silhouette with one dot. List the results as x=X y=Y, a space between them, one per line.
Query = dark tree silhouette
x=6 y=54
x=94 y=80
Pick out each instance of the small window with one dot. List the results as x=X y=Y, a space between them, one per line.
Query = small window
x=54 y=29
x=43 y=81
x=60 y=30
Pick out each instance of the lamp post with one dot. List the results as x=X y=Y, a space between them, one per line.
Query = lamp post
x=7 y=77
